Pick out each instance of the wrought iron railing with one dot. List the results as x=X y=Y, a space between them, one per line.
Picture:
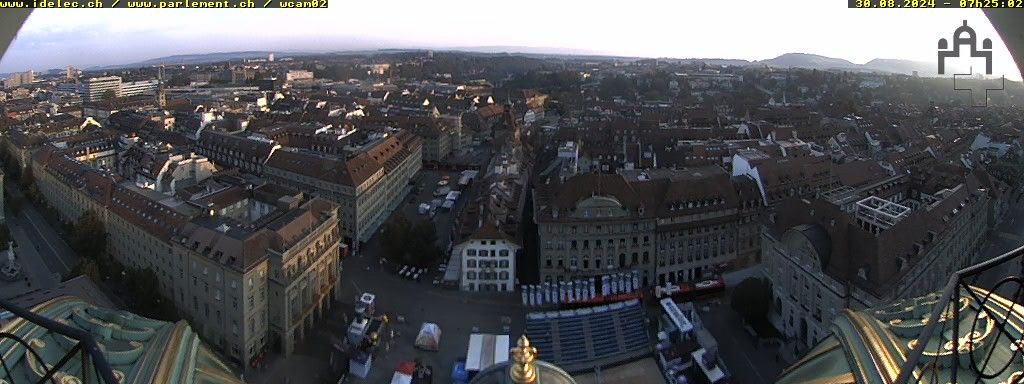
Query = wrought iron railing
x=84 y=348
x=1002 y=275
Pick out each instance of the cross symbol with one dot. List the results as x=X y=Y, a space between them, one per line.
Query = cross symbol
x=977 y=88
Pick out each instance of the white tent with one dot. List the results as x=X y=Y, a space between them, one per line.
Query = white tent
x=429 y=337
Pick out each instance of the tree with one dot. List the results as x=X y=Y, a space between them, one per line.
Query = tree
x=421 y=247
x=88 y=236
x=88 y=267
x=395 y=235
x=617 y=86
x=413 y=244
x=5 y=237
x=109 y=94
x=752 y=298
x=27 y=177
x=13 y=203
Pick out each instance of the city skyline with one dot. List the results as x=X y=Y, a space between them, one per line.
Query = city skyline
x=57 y=38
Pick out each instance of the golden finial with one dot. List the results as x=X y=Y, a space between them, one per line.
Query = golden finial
x=523 y=354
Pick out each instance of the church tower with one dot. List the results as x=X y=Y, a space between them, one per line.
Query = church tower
x=161 y=97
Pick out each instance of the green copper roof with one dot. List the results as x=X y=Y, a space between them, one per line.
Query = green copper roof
x=139 y=349
x=871 y=346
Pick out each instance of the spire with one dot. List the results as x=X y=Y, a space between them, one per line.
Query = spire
x=523 y=371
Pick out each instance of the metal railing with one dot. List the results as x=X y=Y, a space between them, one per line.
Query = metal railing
x=85 y=348
x=1009 y=269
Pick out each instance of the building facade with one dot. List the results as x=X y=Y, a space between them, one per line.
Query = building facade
x=20 y=79
x=142 y=87
x=93 y=88
x=488 y=261
x=368 y=185
x=671 y=225
x=822 y=256
x=250 y=267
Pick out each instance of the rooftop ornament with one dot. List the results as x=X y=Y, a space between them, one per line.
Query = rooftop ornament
x=523 y=355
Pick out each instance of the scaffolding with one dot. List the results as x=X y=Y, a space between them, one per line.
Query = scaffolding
x=877 y=214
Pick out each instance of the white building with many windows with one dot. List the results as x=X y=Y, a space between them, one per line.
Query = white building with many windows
x=92 y=89
x=488 y=261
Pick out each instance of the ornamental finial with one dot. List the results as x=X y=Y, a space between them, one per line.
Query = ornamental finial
x=523 y=354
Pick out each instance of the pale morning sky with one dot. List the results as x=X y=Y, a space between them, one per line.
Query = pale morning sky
x=743 y=29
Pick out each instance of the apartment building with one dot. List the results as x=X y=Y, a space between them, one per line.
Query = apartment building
x=26 y=138
x=251 y=267
x=269 y=258
x=867 y=249
x=248 y=154
x=160 y=169
x=142 y=87
x=19 y=79
x=93 y=88
x=368 y=185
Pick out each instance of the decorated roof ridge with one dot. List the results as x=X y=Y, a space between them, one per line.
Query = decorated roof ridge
x=171 y=354
x=872 y=345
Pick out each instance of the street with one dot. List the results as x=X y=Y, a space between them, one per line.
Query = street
x=42 y=254
x=54 y=251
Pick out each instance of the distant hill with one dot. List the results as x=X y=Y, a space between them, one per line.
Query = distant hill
x=803 y=60
x=903 y=66
x=811 y=61
x=787 y=60
x=806 y=60
x=201 y=58
x=526 y=50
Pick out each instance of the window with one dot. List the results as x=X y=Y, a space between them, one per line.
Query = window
x=471 y=275
x=503 y=252
x=471 y=252
x=503 y=264
x=471 y=263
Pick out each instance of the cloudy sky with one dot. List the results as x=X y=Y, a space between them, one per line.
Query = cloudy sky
x=753 y=30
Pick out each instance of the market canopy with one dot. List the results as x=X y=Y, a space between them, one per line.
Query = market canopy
x=429 y=337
